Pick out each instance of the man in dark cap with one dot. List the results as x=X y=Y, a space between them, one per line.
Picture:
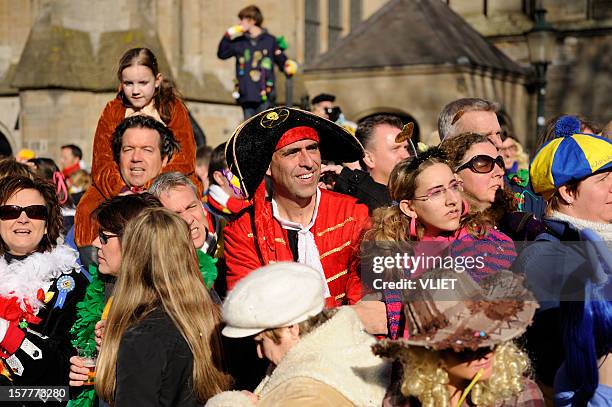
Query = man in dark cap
x=322 y=105
x=295 y=220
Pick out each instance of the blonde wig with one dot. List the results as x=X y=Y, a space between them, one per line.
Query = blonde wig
x=156 y=273
x=425 y=377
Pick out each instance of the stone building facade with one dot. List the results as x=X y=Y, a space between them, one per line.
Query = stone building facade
x=58 y=60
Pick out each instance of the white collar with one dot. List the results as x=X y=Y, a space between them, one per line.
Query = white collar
x=602 y=229
x=287 y=224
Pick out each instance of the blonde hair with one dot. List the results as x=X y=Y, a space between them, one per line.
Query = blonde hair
x=522 y=158
x=425 y=377
x=81 y=180
x=155 y=273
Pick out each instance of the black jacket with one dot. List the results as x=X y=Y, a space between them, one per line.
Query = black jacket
x=359 y=184
x=255 y=60
x=154 y=365
x=46 y=349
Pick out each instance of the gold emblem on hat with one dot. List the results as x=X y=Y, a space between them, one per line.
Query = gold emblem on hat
x=274 y=118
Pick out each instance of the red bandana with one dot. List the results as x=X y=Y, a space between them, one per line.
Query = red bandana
x=297 y=134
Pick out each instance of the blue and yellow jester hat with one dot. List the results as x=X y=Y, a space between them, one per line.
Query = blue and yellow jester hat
x=571 y=156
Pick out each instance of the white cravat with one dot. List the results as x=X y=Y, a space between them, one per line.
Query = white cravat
x=308 y=253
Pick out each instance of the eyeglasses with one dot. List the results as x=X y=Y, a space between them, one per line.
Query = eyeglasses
x=482 y=164
x=11 y=212
x=437 y=193
x=105 y=237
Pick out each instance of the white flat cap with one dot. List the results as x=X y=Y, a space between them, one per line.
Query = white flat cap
x=272 y=296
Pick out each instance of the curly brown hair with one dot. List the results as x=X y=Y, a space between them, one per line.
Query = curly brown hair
x=9 y=186
x=306 y=327
x=456 y=147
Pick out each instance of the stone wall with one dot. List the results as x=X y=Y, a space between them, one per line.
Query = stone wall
x=51 y=118
x=420 y=93
x=61 y=103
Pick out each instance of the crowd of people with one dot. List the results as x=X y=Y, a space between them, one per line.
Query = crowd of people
x=242 y=275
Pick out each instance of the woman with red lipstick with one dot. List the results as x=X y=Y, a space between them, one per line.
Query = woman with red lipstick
x=460 y=350
x=430 y=210
x=142 y=90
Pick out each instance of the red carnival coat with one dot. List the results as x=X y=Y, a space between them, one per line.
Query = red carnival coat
x=337 y=231
x=107 y=181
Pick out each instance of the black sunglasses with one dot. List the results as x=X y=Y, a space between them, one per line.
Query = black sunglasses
x=104 y=238
x=11 y=212
x=482 y=164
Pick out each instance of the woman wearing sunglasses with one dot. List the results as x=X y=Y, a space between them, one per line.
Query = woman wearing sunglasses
x=40 y=285
x=430 y=210
x=112 y=215
x=162 y=344
x=477 y=163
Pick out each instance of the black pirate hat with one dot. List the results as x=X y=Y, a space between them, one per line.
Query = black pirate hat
x=249 y=150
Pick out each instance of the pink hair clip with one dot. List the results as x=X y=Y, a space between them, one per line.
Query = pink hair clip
x=60 y=183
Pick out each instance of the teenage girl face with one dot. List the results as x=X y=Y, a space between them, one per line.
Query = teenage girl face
x=437 y=200
x=139 y=85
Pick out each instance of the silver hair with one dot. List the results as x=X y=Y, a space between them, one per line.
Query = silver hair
x=170 y=180
x=446 y=127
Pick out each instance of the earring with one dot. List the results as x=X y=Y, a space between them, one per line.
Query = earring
x=413 y=227
x=466 y=208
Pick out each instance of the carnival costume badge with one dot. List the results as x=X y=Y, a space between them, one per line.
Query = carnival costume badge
x=64 y=284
